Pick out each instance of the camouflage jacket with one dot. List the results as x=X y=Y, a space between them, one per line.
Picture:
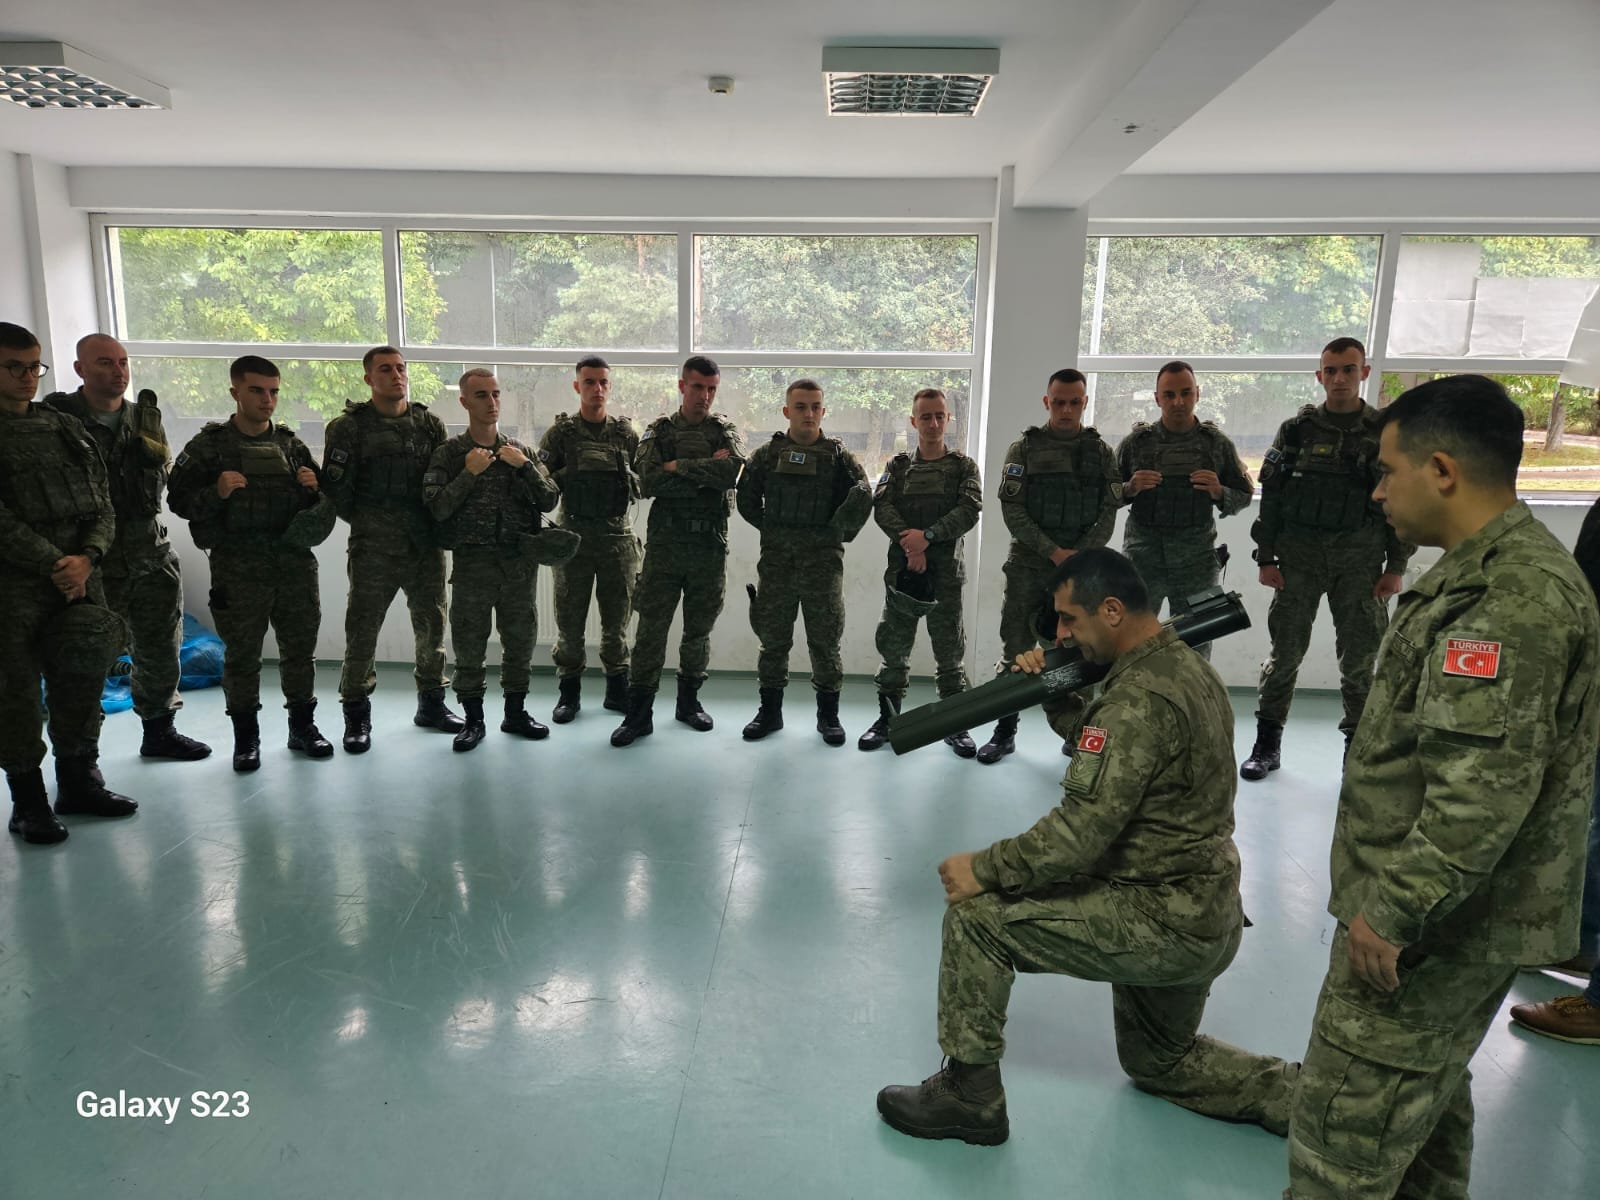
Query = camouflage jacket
x=1467 y=791
x=492 y=508
x=593 y=467
x=372 y=469
x=694 y=499
x=55 y=500
x=1145 y=449
x=788 y=490
x=944 y=495
x=1021 y=485
x=1147 y=804
x=256 y=515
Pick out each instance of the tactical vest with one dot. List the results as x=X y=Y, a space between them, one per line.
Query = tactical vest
x=801 y=482
x=393 y=453
x=707 y=510
x=1066 y=485
x=493 y=514
x=1328 y=475
x=50 y=473
x=928 y=490
x=595 y=486
x=272 y=497
x=1176 y=503
x=136 y=461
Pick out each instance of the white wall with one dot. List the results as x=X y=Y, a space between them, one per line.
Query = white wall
x=16 y=270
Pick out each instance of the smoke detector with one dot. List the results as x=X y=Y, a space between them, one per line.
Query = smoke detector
x=907 y=81
x=55 y=75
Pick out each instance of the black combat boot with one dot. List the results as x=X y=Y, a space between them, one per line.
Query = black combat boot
x=472 y=729
x=1266 y=754
x=31 y=818
x=567 y=705
x=828 y=718
x=357 y=726
x=518 y=721
x=80 y=788
x=958 y=1101
x=961 y=742
x=768 y=718
x=878 y=732
x=246 y=741
x=432 y=713
x=1002 y=741
x=617 y=692
x=638 y=722
x=161 y=740
x=689 y=710
x=304 y=735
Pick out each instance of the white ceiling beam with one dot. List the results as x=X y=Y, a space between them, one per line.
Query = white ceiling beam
x=1164 y=61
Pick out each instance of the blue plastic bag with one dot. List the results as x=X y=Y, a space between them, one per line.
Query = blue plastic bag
x=199 y=666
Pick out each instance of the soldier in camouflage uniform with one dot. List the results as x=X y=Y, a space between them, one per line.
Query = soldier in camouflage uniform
x=808 y=496
x=590 y=456
x=689 y=462
x=141 y=571
x=1458 y=851
x=373 y=461
x=1177 y=475
x=56 y=526
x=253 y=500
x=1133 y=879
x=925 y=502
x=486 y=491
x=1059 y=494
x=1320 y=534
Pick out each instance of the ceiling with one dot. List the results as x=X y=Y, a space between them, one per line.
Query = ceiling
x=619 y=86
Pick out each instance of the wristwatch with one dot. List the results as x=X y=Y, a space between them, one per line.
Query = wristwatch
x=927 y=536
x=94 y=554
x=1262 y=562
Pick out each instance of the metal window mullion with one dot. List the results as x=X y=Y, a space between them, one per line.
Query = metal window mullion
x=1382 y=310
x=688 y=289
x=393 y=302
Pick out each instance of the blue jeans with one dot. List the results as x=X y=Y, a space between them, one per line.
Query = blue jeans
x=1590 y=929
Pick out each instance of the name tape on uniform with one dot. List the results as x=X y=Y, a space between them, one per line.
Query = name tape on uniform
x=1092 y=739
x=1478 y=660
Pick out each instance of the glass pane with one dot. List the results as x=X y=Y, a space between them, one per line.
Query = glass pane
x=883 y=294
x=1491 y=297
x=540 y=290
x=249 y=285
x=1229 y=295
x=1575 y=465
x=1246 y=406
x=532 y=396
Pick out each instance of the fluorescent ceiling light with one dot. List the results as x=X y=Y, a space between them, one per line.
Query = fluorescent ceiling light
x=907 y=81
x=55 y=75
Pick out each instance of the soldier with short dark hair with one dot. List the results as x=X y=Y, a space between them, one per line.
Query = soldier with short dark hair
x=251 y=494
x=56 y=526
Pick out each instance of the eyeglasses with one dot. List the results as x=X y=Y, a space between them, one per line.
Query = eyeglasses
x=22 y=370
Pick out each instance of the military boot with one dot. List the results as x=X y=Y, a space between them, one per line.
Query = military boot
x=961 y=742
x=518 y=721
x=689 y=710
x=828 y=718
x=1265 y=755
x=1002 y=741
x=768 y=718
x=161 y=740
x=638 y=722
x=616 y=692
x=31 y=818
x=357 y=726
x=433 y=714
x=472 y=729
x=957 y=1101
x=304 y=735
x=81 y=788
x=567 y=705
x=246 y=741
x=878 y=732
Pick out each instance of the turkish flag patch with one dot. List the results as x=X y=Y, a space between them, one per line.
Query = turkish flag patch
x=1092 y=739
x=1478 y=660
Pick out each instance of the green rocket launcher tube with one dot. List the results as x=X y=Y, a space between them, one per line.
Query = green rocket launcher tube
x=1212 y=614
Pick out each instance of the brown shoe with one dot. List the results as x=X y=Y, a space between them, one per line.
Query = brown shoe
x=1569 y=1018
x=1579 y=966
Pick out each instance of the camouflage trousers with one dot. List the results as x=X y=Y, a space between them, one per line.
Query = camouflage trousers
x=252 y=588
x=1174 y=577
x=694 y=571
x=32 y=602
x=151 y=602
x=1025 y=595
x=375 y=577
x=897 y=630
x=606 y=566
x=488 y=587
x=1384 y=1103
x=1359 y=618
x=1159 y=983
x=794 y=578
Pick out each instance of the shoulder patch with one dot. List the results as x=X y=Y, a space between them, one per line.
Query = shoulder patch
x=1273 y=456
x=1477 y=660
x=1092 y=739
x=882 y=479
x=339 y=456
x=544 y=456
x=1014 y=470
x=183 y=458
